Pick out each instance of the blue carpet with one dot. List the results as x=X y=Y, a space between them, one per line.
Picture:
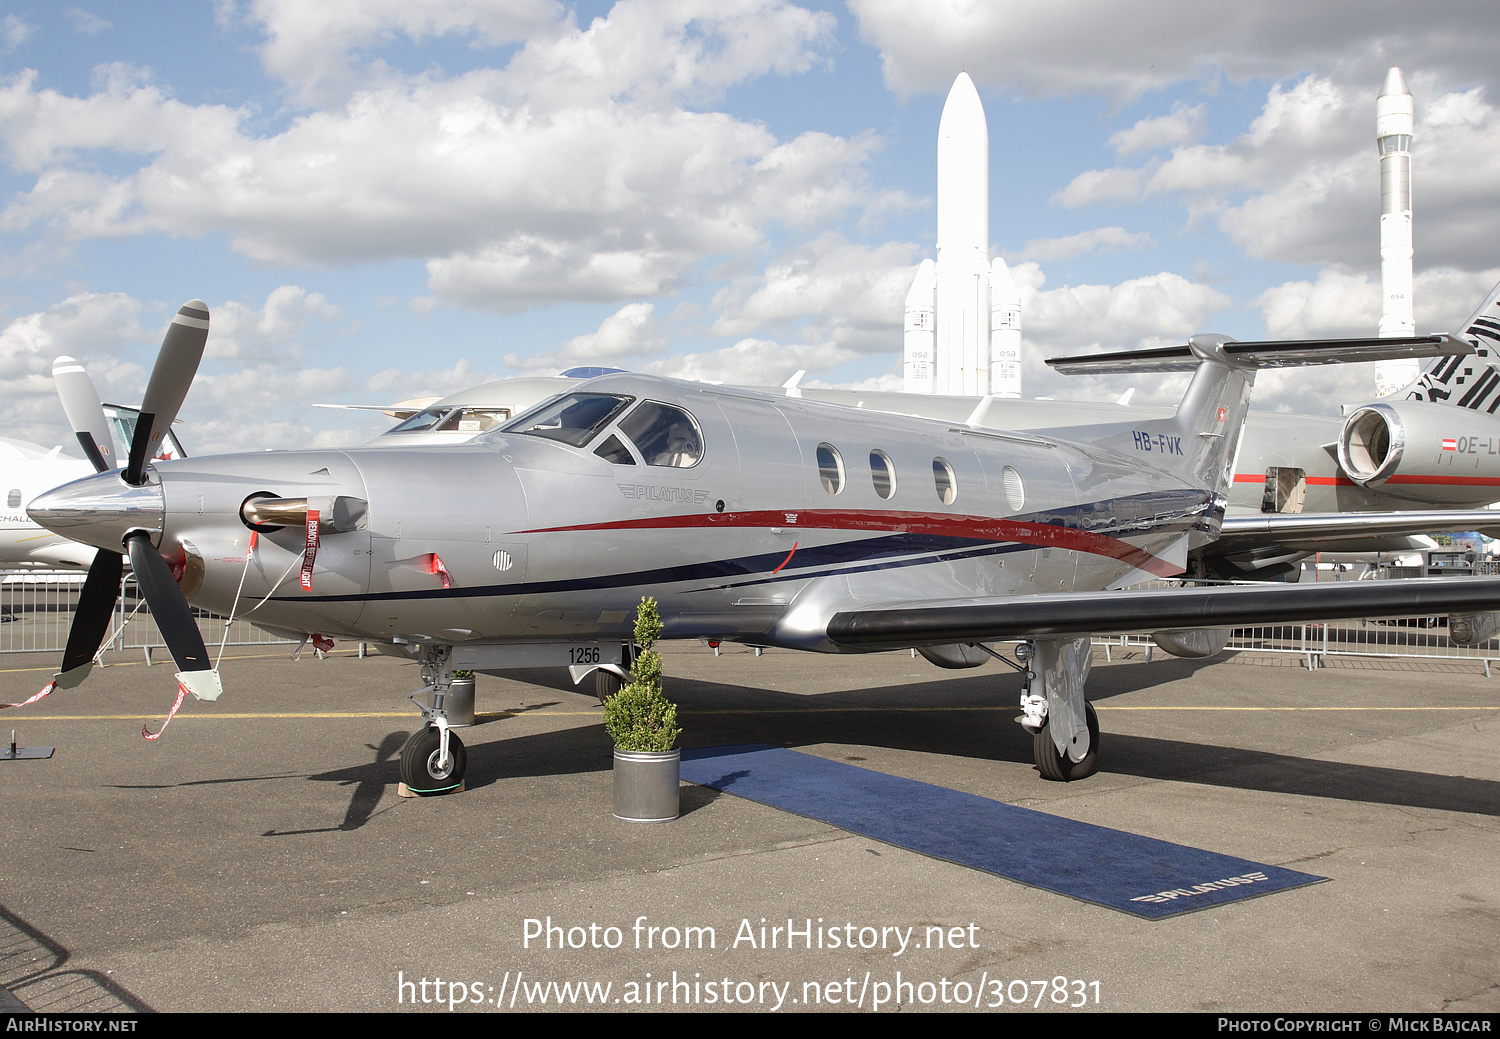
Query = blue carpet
x=1125 y=871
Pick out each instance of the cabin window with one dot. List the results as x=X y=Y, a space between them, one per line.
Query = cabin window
x=883 y=473
x=13 y=499
x=615 y=452
x=664 y=435
x=573 y=418
x=947 y=483
x=830 y=468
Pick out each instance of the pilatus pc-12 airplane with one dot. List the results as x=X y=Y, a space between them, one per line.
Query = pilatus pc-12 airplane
x=1424 y=460
x=761 y=519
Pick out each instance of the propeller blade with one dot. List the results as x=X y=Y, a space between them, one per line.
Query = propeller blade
x=176 y=365
x=169 y=608
x=96 y=605
x=80 y=402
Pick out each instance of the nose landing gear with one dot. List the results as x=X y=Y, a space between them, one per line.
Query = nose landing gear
x=433 y=760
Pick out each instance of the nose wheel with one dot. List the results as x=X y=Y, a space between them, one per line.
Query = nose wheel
x=424 y=770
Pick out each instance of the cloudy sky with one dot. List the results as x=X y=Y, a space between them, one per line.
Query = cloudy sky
x=385 y=198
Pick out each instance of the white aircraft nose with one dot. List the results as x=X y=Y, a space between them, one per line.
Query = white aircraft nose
x=100 y=510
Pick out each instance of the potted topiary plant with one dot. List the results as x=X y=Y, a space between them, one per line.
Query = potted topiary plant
x=643 y=724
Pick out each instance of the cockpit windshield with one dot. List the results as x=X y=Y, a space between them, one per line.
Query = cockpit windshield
x=573 y=418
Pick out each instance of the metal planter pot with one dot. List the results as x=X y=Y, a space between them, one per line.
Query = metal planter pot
x=646 y=785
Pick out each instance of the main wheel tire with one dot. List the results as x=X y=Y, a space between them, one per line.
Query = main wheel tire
x=1059 y=767
x=419 y=763
x=607 y=684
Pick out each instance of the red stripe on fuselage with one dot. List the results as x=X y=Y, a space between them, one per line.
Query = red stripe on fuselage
x=978 y=528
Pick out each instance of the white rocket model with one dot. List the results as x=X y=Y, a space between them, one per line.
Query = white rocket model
x=1394 y=123
x=956 y=303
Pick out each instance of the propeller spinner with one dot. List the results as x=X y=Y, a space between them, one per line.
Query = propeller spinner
x=120 y=513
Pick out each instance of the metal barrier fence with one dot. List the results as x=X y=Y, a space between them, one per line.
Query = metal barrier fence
x=1409 y=638
x=36 y=611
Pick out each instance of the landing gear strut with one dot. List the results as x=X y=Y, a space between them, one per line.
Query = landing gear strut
x=433 y=759
x=1064 y=726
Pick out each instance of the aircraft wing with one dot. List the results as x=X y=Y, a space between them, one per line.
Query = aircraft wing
x=947 y=621
x=1284 y=528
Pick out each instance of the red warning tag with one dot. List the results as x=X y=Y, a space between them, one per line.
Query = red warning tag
x=442 y=571
x=146 y=731
x=49 y=687
x=311 y=552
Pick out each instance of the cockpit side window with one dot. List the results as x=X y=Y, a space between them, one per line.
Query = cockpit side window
x=613 y=451
x=572 y=419
x=665 y=435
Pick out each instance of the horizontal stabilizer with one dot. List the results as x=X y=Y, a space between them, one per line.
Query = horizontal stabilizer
x=1290 y=353
x=942 y=622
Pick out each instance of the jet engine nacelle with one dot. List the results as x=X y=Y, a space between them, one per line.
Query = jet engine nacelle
x=1472 y=629
x=1424 y=452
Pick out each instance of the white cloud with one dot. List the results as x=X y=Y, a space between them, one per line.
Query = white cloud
x=92 y=327
x=393 y=384
x=570 y=173
x=1095 y=186
x=14 y=32
x=752 y=362
x=1183 y=125
x=1341 y=305
x=1076 y=317
x=87 y=23
x=1300 y=184
x=1105 y=239
x=625 y=336
x=832 y=290
x=311 y=47
x=273 y=330
x=1123 y=51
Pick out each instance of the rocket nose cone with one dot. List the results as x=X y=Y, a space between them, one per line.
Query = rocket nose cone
x=963 y=104
x=99 y=510
x=1395 y=83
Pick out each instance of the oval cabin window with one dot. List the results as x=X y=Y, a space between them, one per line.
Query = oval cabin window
x=945 y=480
x=883 y=473
x=830 y=468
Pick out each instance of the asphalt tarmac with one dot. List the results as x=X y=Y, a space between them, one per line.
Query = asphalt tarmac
x=257 y=856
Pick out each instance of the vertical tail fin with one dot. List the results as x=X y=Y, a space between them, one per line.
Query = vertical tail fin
x=1467 y=382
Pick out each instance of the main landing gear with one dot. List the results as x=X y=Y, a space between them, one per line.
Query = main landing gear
x=433 y=759
x=1063 y=725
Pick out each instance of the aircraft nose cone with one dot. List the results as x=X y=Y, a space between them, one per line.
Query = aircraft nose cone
x=100 y=510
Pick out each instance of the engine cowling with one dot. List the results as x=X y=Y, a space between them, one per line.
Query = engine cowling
x=1424 y=452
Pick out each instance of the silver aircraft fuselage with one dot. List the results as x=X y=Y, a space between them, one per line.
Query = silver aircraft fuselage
x=793 y=509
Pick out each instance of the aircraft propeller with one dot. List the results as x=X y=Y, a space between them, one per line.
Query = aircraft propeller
x=85 y=413
x=176 y=364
